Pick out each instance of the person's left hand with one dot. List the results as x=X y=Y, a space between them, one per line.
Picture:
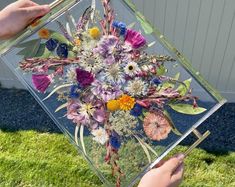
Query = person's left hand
x=16 y=16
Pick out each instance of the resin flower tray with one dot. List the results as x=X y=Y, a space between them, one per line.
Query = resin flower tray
x=113 y=84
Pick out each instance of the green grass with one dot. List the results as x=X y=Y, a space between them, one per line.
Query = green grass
x=28 y=158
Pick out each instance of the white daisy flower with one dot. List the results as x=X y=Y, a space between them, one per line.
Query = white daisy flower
x=136 y=87
x=131 y=69
x=113 y=74
x=100 y=135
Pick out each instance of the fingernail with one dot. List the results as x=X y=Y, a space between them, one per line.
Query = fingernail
x=180 y=157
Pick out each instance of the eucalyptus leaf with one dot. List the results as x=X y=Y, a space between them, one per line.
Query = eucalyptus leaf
x=27 y=44
x=131 y=25
x=187 y=109
x=43 y=52
x=30 y=48
x=148 y=29
x=183 y=88
x=60 y=38
x=173 y=127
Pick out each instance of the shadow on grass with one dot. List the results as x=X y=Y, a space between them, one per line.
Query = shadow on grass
x=19 y=111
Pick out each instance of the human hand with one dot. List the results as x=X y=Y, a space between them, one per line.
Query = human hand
x=16 y=16
x=167 y=174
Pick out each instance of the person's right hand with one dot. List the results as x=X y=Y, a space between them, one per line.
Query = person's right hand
x=167 y=174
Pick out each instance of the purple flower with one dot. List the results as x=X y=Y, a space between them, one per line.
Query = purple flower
x=90 y=112
x=135 y=39
x=104 y=91
x=84 y=78
x=106 y=48
x=41 y=82
x=62 y=51
x=115 y=140
x=51 y=44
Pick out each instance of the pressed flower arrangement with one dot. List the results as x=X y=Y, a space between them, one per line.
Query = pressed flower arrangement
x=109 y=85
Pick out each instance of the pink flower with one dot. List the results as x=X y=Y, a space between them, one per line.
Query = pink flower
x=41 y=82
x=135 y=39
x=156 y=126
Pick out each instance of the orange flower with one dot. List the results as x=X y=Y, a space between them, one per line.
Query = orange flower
x=35 y=23
x=44 y=33
x=113 y=105
x=126 y=102
x=77 y=42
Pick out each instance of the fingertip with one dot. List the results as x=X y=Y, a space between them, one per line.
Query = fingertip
x=46 y=8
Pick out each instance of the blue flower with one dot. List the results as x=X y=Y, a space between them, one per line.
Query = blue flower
x=51 y=44
x=121 y=26
x=115 y=140
x=156 y=81
x=62 y=51
x=74 y=91
x=137 y=110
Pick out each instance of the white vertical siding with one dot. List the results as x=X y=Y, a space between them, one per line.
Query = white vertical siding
x=204 y=30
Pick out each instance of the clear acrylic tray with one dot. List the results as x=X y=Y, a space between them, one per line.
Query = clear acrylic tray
x=140 y=96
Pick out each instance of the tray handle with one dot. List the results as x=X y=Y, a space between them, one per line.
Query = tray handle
x=201 y=137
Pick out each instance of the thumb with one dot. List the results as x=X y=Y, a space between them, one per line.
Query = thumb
x=36 y=11
x=172 y=164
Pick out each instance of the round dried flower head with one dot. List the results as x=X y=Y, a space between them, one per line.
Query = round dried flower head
x=77 y=42
x=156 y=126
x=126 y=102
x=113 y=105
x=44 y=33
x=136 y=87
x=100 y=135
x=94 y=32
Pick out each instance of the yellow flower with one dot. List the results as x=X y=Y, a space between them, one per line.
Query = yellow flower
x=113 y=105
x=44 y=33
x=94 y=32
x=77 y=42
x=126 y=102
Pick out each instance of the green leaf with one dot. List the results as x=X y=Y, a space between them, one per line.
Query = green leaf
x=183 y=88
x=161 y=70
x=60 y=38
x=148 y=29
x=187 y=109
x=170 y=84
x=30 y=48
x=27 y=44
x=71 y=54
x=131 y=25
x=43 y=52
x=173 y=127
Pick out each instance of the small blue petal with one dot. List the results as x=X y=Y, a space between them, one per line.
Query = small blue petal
x=74 y=91
x=62 y=51
x=156 y=81
x=115 y=140
x=137 y=110
x=51 y=44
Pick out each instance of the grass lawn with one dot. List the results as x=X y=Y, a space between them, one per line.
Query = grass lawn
x=28 y=158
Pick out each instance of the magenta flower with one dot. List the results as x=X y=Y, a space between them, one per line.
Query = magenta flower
x=84 y=78
x=41 y=82
x=135 y=39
